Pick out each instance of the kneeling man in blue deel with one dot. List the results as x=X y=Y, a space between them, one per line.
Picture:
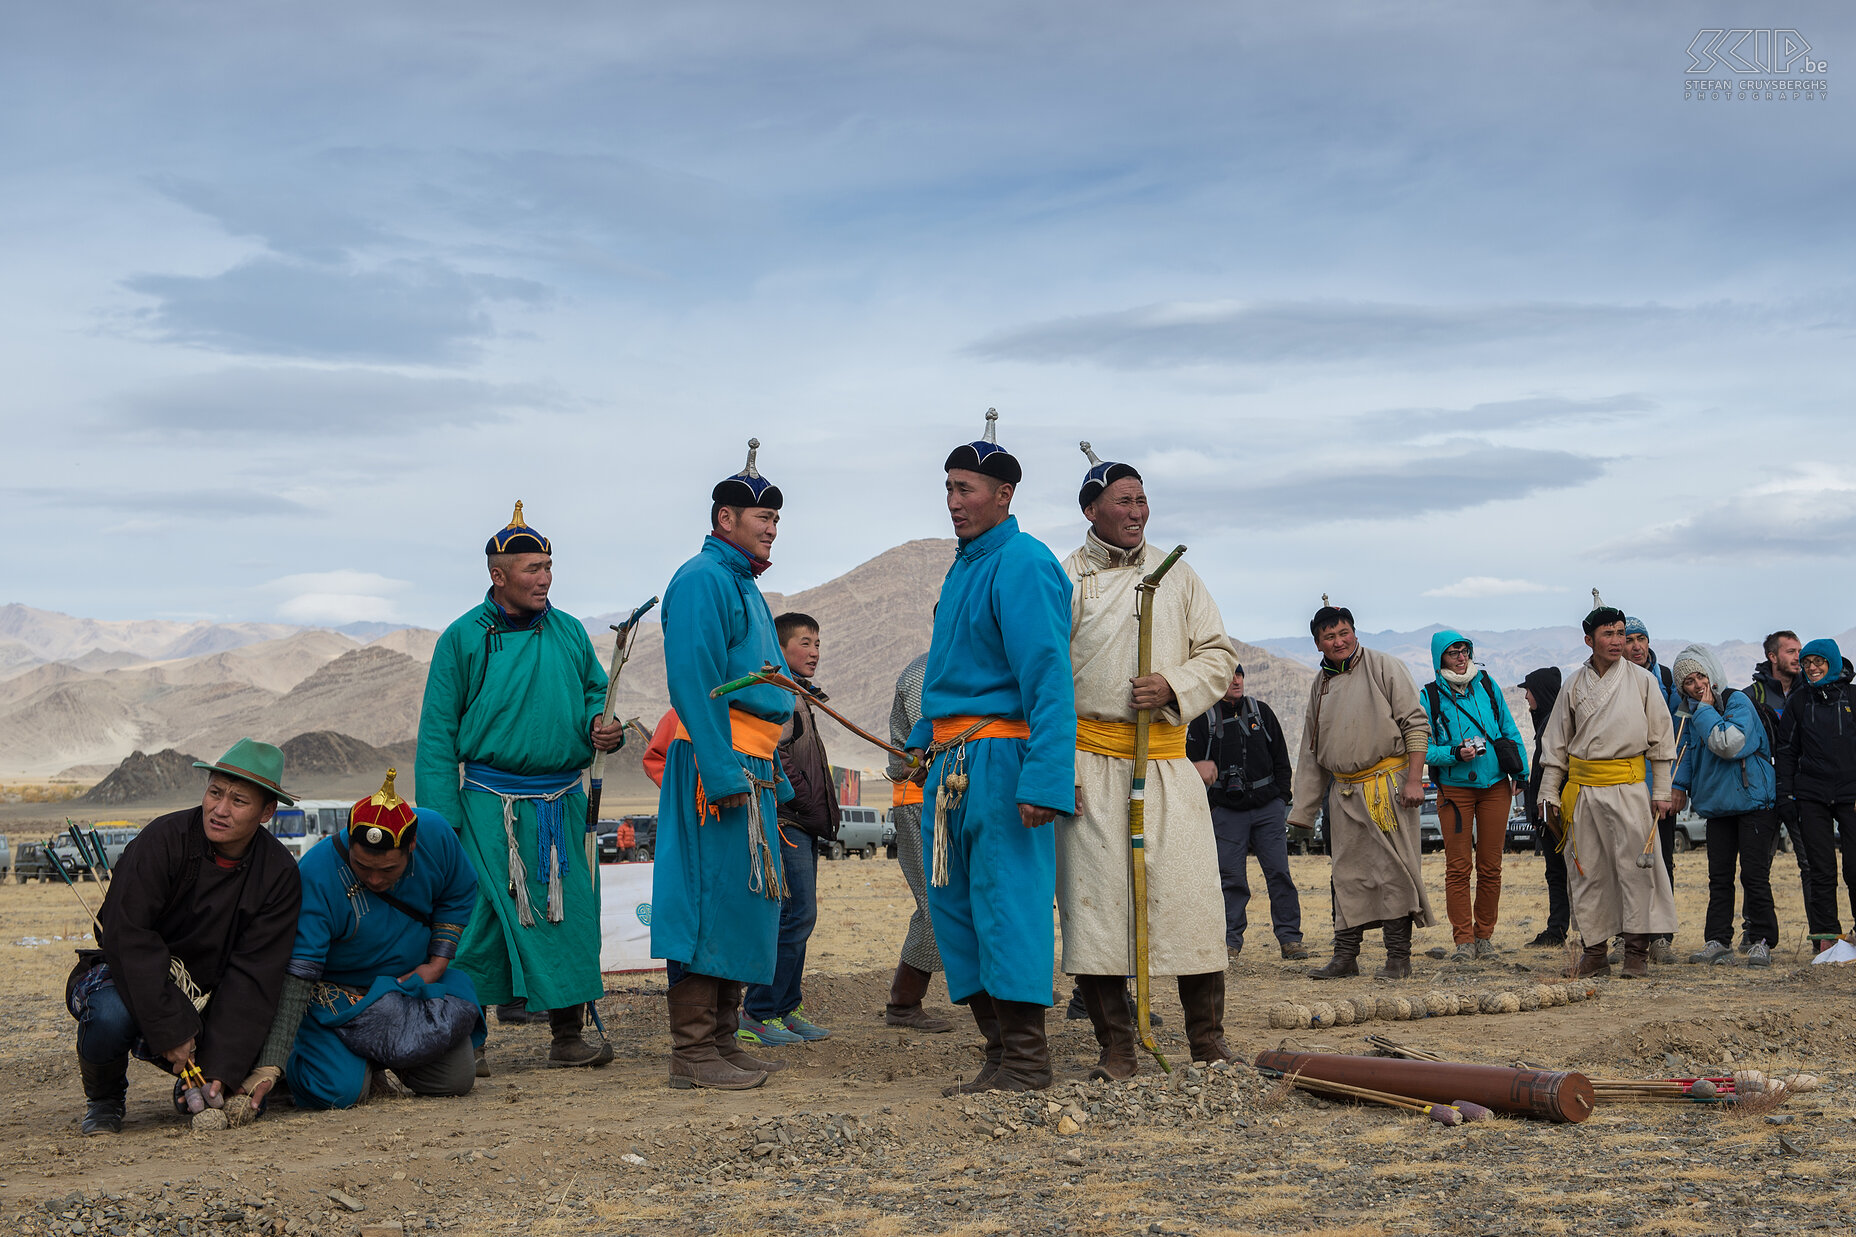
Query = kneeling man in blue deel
x=370 y=985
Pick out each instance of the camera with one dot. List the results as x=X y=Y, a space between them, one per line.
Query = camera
x=1477 y=744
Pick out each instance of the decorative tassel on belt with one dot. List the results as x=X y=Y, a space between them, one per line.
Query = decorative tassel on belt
x=947 y=797
x=764 y=872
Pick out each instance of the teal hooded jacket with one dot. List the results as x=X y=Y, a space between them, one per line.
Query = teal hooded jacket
x=1457 y=715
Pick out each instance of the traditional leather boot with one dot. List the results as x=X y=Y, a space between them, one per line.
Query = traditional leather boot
x=1346 y=959
x=1592 y=962
x=694 y=1062
x=1025 y=1063
x=986 y=1017
x=1398 y=949
x=516 y=1012
x=1108 y=1013
x=727 y=1022
x=906 y=991
x=1636 y=955
x=106 y=1087
x=1203 y=998
x=570 y=1047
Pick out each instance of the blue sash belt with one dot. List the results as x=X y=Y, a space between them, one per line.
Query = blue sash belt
x=551 y=853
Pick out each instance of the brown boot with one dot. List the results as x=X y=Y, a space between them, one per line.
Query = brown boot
x=986 y=1017
x=694 y=1061
x=570 y=1047
x=1592 y=962
x=906 y=991
x=1346 y=959
x=1025 y=1065
x=1108 y=1014
x=1636 y=955
x=1398 y=950
x=727 y=1022
x=1203 y=998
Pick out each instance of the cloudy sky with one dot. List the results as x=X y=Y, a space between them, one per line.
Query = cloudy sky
x=1452 y=311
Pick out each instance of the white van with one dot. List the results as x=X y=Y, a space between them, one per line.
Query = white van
x=860 y=832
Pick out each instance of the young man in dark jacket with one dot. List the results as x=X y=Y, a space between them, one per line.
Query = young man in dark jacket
x=1238 y=748
x=1543 y=688
x=1773 y=681
x=192 y=943
x=1817 y=777
x=770 y=1013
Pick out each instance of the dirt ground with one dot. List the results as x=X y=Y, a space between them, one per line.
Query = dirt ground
x=854 y=1136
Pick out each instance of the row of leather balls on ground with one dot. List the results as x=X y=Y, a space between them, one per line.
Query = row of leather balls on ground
x=1349 y=1010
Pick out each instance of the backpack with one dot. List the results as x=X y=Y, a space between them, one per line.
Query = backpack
x=1508 y=760
x=1767 y=717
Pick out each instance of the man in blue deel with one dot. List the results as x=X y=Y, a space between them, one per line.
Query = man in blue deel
x=999 y=722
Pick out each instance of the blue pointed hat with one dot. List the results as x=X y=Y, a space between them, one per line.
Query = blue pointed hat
x=1100 y=476
x=986 y=456
x=517 y=537
x=748 y=488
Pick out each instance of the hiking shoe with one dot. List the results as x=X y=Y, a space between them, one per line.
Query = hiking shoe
x=1295 y=951
x=1466 y=952
x=1759 y=955
x=1711 y=953
x=1485 y=947
x=803 y=1026
x=772 y=1031
x=1746 y=942
x=1549 y=939
x=1662 y=952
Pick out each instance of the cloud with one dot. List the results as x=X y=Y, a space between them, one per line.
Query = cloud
x=1178 y=333
x=1792 y=518
x=335 y=597
x=415 y=311
x=1379 y=490
x=1489 y=586
x=1508 y=414
x=301 y=399
x=167 y=507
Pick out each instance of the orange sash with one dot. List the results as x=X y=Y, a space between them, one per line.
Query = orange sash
x=903 y=793
x=751 y=736
x=947 y=729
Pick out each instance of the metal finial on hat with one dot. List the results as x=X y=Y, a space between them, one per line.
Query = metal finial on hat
x=1598 y=602
x=1324 y=600
x=750 y=470
x=516 y=520
x=1095 y=461
x=386 y=796
x=992 y=426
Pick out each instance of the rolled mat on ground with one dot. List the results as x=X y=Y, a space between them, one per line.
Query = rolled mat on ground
x=1551 y=1094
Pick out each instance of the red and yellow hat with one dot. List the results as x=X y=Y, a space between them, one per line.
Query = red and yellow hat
x=383 y=820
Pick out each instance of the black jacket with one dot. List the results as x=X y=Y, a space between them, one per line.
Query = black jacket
x=1252 y=757
x=1817 y=744
x=814 y=805
x=1766 y=690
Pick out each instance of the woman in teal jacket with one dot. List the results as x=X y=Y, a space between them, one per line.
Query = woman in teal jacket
x=1468 y=716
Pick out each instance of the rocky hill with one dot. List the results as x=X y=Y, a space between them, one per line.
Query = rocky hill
x=164 y=776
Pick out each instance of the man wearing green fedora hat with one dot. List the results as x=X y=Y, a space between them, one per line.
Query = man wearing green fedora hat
x=192 y=942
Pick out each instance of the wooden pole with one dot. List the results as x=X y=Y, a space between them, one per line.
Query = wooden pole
x=1137 y=803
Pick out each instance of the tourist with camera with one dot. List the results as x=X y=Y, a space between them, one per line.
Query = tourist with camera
x=1476 y=757
x=1238 y=748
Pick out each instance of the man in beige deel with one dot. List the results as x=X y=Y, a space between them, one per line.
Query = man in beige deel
x=1363 y=747
x=1193 y=661
x=1608 y=723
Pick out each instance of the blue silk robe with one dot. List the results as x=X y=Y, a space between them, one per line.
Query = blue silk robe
x=347 y=936
x=1001 y=649
x=704 y=913
x=521 y=699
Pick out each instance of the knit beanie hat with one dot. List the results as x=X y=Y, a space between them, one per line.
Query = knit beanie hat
x=1697 y=658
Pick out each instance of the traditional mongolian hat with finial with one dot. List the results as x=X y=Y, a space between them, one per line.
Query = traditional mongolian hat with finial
x=986 y=456
x=748 y=488
x=1100 y=476
x=1602 y=615
x=383 y=820
x=517 y=537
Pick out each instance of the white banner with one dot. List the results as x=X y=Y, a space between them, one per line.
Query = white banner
x=625 y=918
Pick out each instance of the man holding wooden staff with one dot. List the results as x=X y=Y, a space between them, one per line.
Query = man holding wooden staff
x=1610 y=722
x=510 y=721
x=1193 y=661
x=1365 y=737
x=999 y=723
x=720 y=877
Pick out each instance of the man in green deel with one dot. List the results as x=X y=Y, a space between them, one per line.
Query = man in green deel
x=511 y=718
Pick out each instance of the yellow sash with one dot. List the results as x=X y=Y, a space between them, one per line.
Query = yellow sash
x=1116 y=739
x=1623 y=771
x=1380 y=793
